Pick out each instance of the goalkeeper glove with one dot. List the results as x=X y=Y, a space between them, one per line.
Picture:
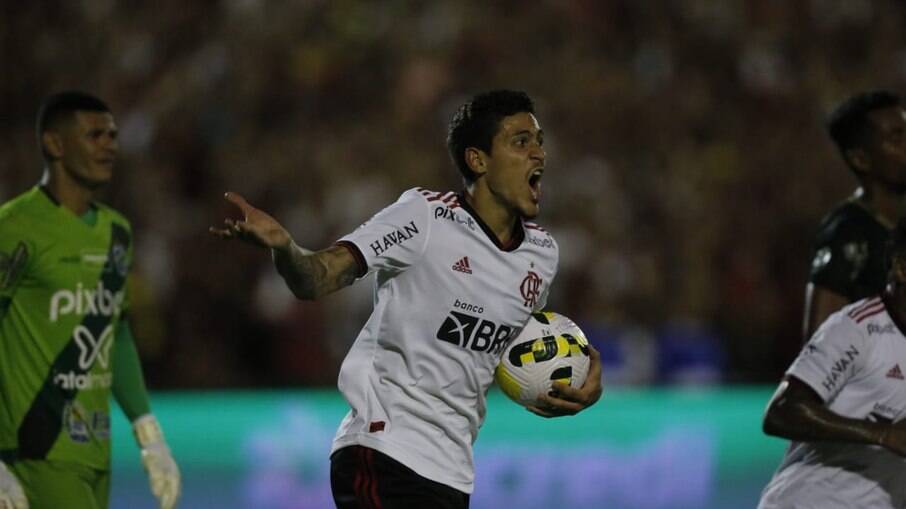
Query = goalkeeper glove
x=158 y=461
x=11 y=494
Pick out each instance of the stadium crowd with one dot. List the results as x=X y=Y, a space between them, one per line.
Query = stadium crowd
x=688 y=166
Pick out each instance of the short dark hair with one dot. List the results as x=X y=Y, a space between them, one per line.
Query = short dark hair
x=476 y=122
x=896 y=244
x=848 y=124
x=61 y=106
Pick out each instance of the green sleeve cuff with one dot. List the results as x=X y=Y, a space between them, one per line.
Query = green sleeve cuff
x=128 y=380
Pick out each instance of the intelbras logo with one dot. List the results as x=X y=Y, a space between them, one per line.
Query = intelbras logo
x=84 y=301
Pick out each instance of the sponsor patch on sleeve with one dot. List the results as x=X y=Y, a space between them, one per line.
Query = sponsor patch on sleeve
x=12 y=264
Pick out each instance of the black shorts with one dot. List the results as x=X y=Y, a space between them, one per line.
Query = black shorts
x=362 y=478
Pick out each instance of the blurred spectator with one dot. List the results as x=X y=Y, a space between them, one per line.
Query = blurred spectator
x=686 y=155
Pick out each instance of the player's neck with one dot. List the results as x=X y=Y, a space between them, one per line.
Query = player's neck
x=885 y=205
x=67 y=191
x=497 y=216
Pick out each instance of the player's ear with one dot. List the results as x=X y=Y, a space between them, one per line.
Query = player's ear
x=475 y=158
x=858 y=158
x=52 y=144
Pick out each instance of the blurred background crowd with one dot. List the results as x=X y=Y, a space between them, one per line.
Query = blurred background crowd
x=688 y=167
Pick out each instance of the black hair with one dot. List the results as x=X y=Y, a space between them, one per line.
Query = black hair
x=476 y=122
x=60 y=107
x=848 y=124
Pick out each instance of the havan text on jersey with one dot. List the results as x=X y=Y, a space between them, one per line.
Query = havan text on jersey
x=393 y=238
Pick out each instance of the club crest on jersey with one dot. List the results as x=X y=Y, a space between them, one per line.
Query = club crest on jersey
x=117 y=260
x=394 y=238
x=530 y=289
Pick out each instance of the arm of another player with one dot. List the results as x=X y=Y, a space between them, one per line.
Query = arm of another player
x=308 y=274
x=820 y=303
x=132 y=396
x=796 y=412
x=567 y=400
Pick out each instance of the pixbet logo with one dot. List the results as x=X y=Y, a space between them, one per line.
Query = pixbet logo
x=91 y=350
x=82 y=301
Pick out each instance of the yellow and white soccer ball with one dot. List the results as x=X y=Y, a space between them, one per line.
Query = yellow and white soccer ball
x=550 y=347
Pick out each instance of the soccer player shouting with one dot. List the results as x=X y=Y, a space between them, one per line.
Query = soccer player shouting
x=65 y=341
x=842 y=403
x=456 y=277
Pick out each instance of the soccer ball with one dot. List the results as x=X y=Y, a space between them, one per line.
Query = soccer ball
x=550 y=348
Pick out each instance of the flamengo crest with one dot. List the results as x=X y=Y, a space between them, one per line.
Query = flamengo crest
x=530 y=288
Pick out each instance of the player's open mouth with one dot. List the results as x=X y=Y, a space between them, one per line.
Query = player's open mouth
x=535 y=183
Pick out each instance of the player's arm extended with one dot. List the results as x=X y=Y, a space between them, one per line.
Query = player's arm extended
x=796 y=412
x=313 y=274
x=308 y=274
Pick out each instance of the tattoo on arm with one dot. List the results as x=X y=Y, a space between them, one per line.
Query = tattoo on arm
x=312 y=274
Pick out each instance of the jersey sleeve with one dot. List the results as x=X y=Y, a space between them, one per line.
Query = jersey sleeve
x=835 y=354
x=395 y=238
x=16 y=253
x=839 y=257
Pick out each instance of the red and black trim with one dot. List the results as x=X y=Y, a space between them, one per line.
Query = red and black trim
x=868 y=309
x=357 y=254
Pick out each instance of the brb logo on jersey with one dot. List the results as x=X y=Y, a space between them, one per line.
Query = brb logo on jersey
x=82 y=301
x=530 y=289
x=473 y=332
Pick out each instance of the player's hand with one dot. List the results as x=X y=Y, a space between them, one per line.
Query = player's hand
x=894 y=438
x=12 y=496
x=566 y=400
x=256 y=227
x=163 y=473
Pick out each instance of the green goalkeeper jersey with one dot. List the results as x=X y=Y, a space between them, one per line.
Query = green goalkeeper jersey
x=62 y=295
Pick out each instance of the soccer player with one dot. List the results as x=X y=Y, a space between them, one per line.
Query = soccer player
x=65 y=342
x=842 y=402
x=456 y=277
x=869 y=130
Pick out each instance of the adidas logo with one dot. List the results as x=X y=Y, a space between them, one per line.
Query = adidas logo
x=463 y=265
x=895 y=372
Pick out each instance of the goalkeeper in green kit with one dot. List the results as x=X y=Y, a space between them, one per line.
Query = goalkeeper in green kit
x=65 y=341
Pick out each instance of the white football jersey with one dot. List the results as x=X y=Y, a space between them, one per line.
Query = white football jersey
x=856 y=362
x=448 y=298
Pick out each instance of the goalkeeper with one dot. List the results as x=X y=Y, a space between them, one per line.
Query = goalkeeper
x=65 y=341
